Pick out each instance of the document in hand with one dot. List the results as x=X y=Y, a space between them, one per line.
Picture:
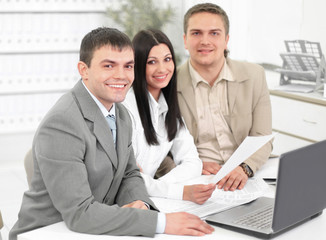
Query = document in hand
x=249 y=146
x=220 y=200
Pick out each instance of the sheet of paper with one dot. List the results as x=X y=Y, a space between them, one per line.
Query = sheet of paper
x=248 y=147
x=220 y=200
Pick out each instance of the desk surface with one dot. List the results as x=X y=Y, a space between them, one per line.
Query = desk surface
x=60 y=231
x=313 y=97
x=302 y=232
x=273 y=81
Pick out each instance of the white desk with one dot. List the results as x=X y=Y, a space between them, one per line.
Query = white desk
x=302 y=232
x=315 y=227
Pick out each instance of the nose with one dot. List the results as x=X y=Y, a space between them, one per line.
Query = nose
x=161 y=67
x=204 y=39
x=119 y=73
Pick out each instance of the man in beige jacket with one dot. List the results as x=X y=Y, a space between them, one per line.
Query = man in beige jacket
x=222 y=101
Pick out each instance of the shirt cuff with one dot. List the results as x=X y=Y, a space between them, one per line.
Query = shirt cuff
x=147 y=205
x=161 y=222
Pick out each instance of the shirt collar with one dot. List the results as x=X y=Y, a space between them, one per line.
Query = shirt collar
x=104 y=111
x=160 y=104
x=225 y=74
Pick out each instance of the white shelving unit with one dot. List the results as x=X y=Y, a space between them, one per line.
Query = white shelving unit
x=39 y=51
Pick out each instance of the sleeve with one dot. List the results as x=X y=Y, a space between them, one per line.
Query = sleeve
x=163 y=189
x=155 y=187
x=261 y=122
x=60 y=149
x=132 y=187
x=186 y=157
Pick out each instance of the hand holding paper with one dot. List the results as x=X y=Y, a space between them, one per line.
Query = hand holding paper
x=248 y=147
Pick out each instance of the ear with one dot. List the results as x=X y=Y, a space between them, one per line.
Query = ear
x=227 y=40
x=83 y=70
x=185 y=41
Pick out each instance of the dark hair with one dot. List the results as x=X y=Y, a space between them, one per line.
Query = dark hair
x=209 y=8
x=100 y=37
x=143 y=42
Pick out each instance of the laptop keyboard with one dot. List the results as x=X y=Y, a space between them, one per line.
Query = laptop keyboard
x=259 y=219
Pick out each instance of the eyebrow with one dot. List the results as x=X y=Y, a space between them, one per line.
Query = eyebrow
x=201 y=30
x=168 y=54
x=114 y=62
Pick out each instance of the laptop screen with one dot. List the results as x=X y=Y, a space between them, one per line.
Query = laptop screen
x=302 y=193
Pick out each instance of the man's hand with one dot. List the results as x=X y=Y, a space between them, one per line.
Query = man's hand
x=136 y=204
x=235 y=179
x=210 y=168
x=182 y=223
x=198 y=193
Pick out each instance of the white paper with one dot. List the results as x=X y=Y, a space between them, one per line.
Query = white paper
x=248 y=147
x=220 y=200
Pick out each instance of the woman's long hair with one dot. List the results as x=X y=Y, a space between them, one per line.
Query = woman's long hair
x=143 y=42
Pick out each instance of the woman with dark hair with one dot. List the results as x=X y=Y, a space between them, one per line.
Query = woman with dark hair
x=157 y=124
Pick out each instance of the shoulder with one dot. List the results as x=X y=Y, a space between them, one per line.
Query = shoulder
x=239 y=68
x=183 y=74
x=64 y=108
x=123 y=112
x=183 y=69
x=63 y=119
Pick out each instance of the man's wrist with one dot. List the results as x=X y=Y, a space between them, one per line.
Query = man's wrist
x=161 y=222
x=247 y=170
x=147 y=205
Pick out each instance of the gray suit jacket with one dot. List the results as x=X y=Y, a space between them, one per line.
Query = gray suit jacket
x=249 y=106
x=80 y=178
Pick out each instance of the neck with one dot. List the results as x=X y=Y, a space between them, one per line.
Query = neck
x=208 y=72
x=155 y=93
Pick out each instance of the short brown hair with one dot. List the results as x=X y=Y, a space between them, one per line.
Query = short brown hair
x=210 y=8
x=100 y=37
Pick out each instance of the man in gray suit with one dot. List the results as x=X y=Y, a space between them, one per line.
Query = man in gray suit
x=83 y=174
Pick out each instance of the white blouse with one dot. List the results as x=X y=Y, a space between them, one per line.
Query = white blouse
x=149 y=157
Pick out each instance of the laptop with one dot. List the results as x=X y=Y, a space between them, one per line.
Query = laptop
x=300 y=196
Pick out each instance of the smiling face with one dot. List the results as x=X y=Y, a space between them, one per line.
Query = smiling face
x=159 y=69
x=206 y=40
x=110 y=74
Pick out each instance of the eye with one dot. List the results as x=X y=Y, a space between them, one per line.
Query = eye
x=151 y=62
x=215 y=33
x=130 y=66
x=108 y=66
x=195 y=33
x=168 y=59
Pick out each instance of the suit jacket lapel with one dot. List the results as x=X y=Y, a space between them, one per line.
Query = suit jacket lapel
x=92 y=113
x=103 y=134
x=121 y=138
x=232 y=94
x=186 y=89
x=240 y=75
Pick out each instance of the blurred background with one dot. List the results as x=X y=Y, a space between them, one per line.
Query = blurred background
x=40 y=39
x=39 y=45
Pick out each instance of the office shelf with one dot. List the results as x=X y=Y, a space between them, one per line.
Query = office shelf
x=39 y=52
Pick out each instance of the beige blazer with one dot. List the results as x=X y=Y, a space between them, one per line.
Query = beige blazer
x=80 y=178
x=249 y=105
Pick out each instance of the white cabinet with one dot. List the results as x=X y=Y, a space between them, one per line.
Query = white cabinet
x=300 y=119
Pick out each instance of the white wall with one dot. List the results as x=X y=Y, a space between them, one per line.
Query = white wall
x=258 y=28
